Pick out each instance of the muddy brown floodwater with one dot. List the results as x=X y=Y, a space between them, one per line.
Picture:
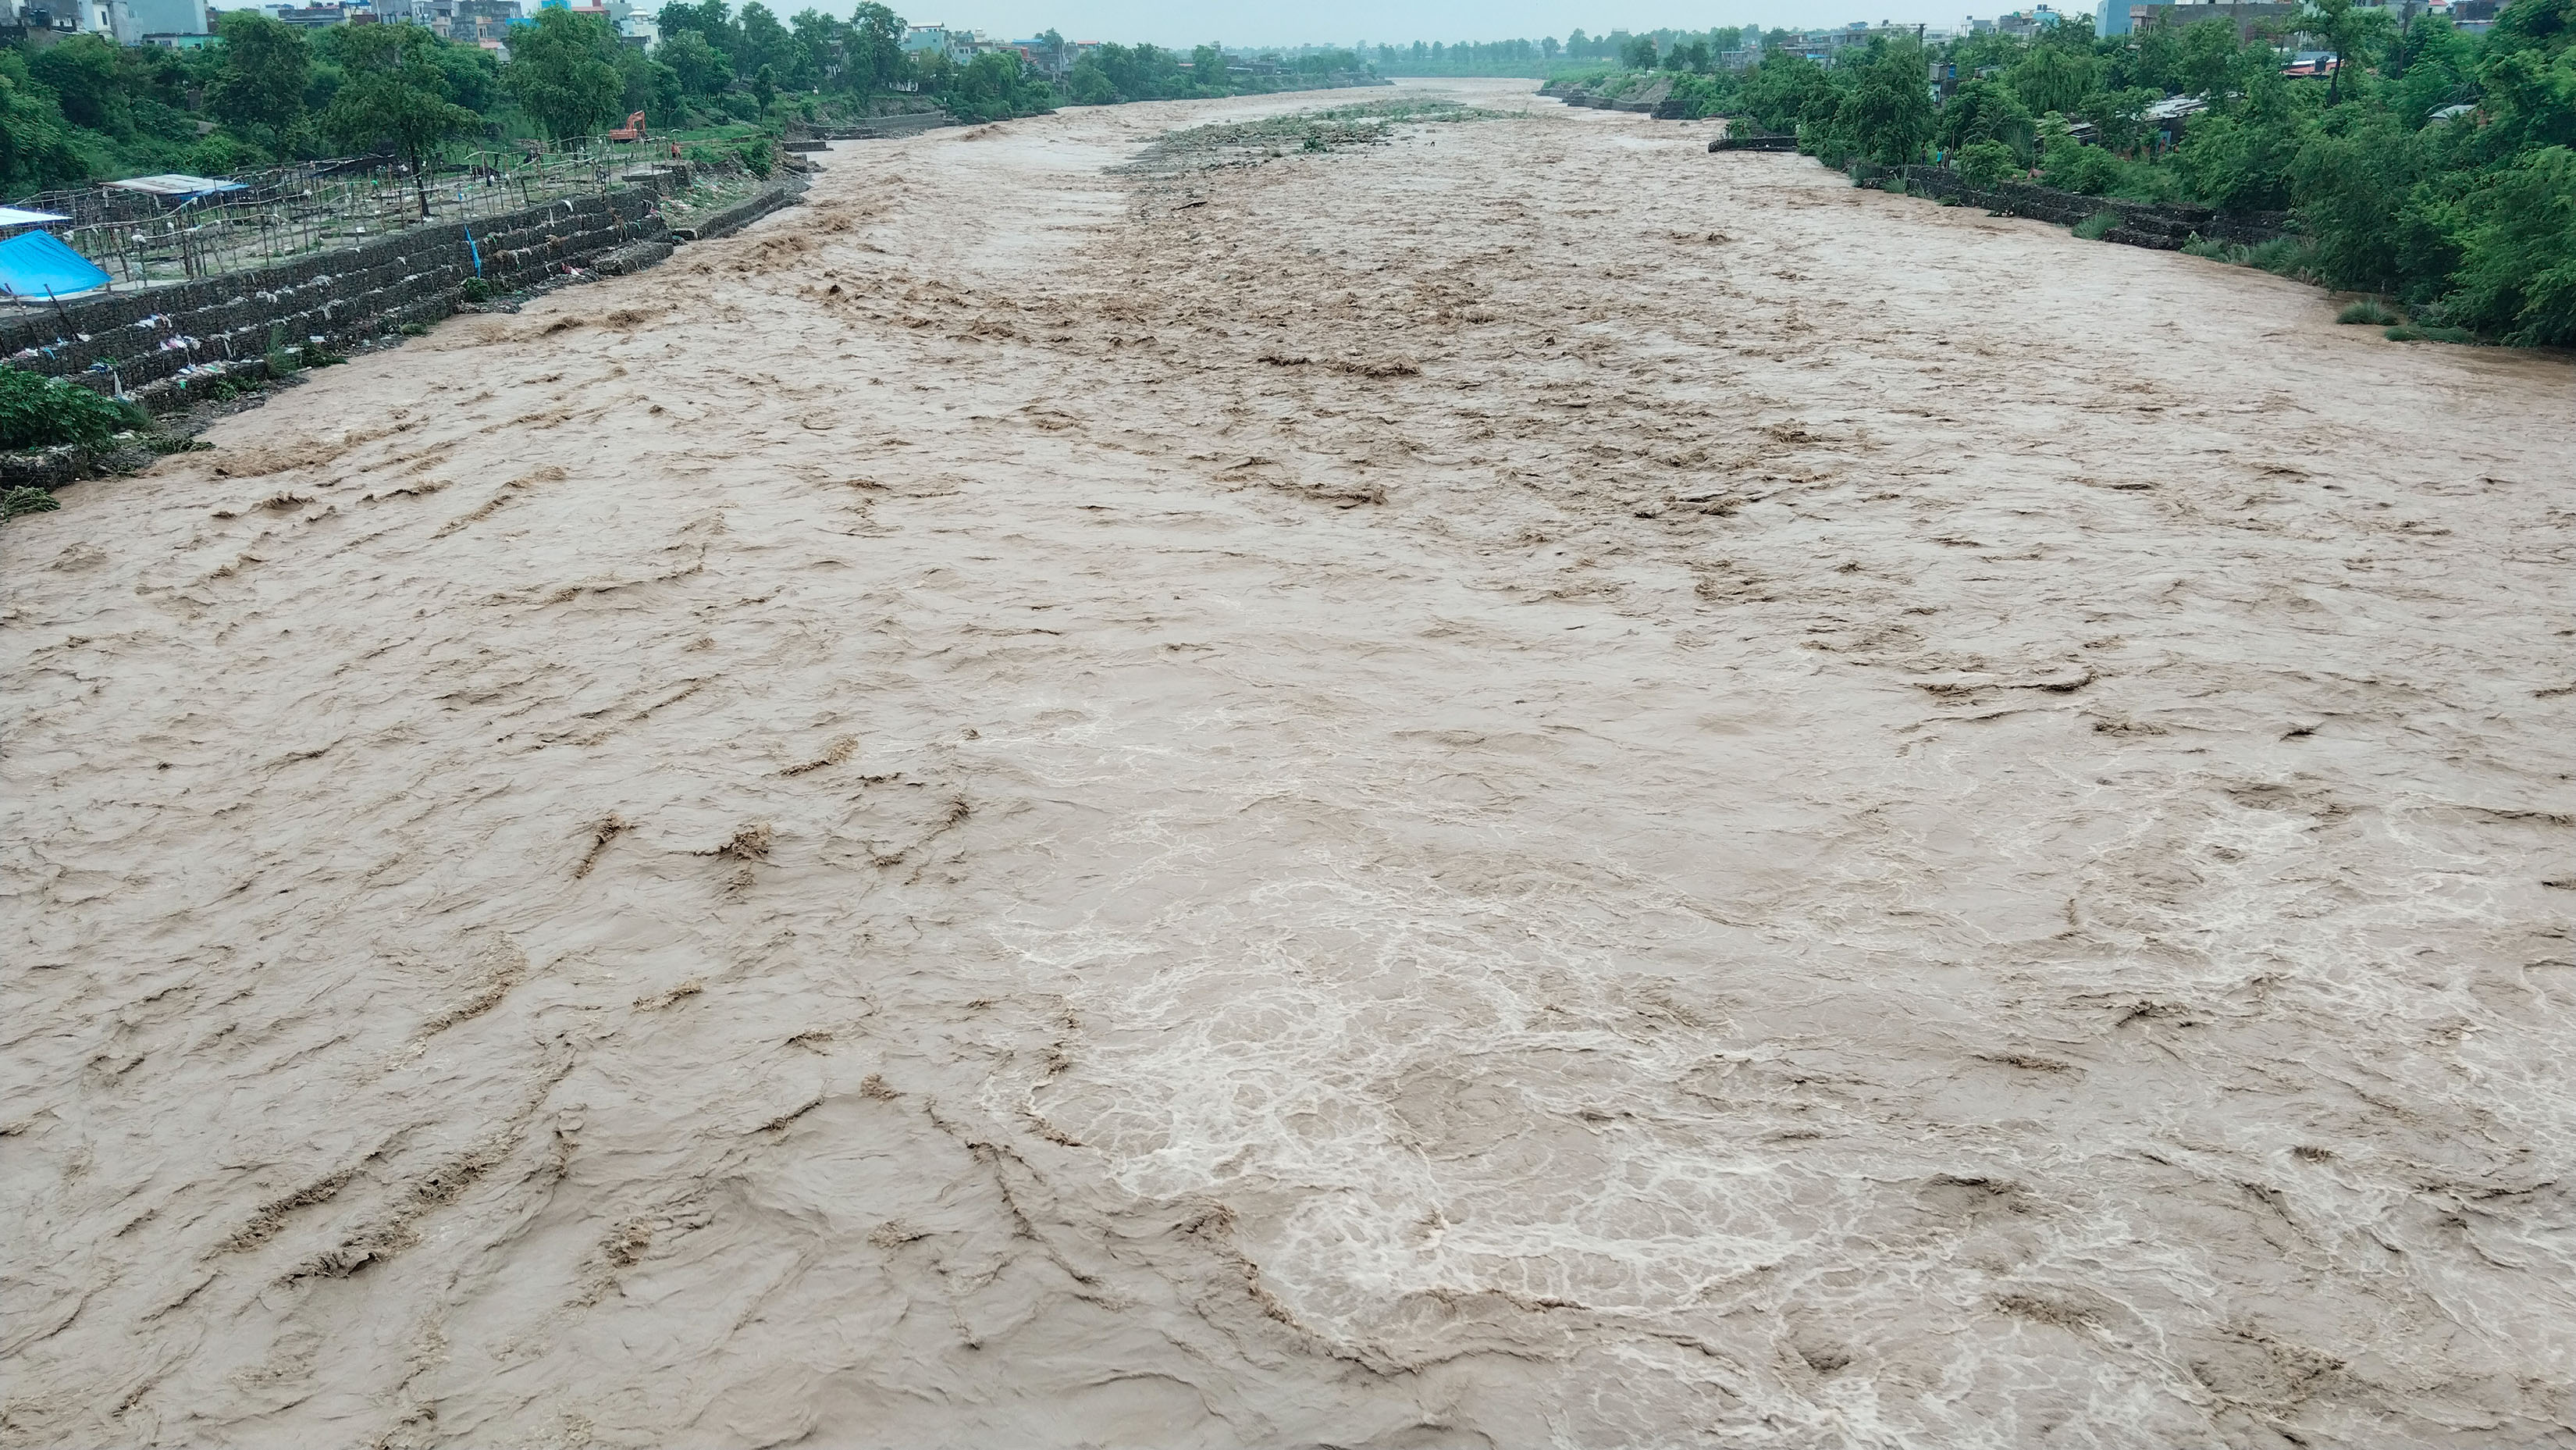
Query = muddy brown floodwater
x=1525 y=787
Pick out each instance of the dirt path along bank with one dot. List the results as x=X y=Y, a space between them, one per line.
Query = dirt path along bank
x=1520 y=787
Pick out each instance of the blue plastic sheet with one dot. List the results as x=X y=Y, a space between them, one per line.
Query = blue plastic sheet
x=37 y=264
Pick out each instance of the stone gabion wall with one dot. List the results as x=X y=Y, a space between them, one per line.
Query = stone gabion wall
x=2161 y=225
x=882 y=128
x=782 y=192
x=144 y=340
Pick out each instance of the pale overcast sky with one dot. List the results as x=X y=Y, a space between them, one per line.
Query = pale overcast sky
x=1341 y=22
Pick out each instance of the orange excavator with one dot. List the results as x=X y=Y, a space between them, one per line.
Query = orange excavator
x=633 y=130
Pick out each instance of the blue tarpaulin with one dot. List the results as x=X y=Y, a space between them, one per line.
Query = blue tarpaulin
x=37 y=264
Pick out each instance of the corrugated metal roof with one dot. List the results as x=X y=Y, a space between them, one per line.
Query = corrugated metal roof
x=175 y=184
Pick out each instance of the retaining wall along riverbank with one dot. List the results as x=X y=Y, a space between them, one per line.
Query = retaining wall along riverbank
x=2162 y=225
x=153 y=344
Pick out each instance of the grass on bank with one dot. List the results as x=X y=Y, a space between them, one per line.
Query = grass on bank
x=2431 y=334
x=2291 y=257
x=2097 y=226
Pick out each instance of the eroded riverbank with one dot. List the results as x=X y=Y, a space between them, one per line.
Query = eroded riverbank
x=1521 y=787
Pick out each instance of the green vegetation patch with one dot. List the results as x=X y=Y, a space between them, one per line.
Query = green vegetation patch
x=2097 y=226
x=2430 y=164
x=42 y=412
x=2368 y=311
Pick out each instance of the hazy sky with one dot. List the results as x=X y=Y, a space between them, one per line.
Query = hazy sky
x=1340 y=22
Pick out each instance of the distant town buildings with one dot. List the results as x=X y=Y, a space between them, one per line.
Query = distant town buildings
x=38 y=23
x=2020 y=24
x=2127 y=17
x=1824 y=47
x=957 y=45
x=484 y=23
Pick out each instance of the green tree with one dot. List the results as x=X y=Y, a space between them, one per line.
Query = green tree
x=2435 y=66
x=711 y=19
x=470 y=74
x=994 y=85
x=702 y=69
x=86 y=79
x=822 y=48
x=1983 y=110
x=2329 y=20
x=1089 y=83
x=35 y=151
x=2052 y=78
x=2351 y=183
x=265 y=66
x=2517 y=272
x=2211 y=63
x=561 y=73
x=2155 y=57
x=2240 y=160
x=647 y=85
x=2119 y=117
x=395 y=92
x=1888 y=114
x=2528 y=74
x=1984 y=163
x=765 y=42
x=1785 y=89
x=876 y=47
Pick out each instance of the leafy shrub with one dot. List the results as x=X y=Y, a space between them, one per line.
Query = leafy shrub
x=1984 y=163
x=1984 y=111
x=2367 y=311
x=281 y=358
x=755 y=156
x=2517 y=273
x=26 y=501
x=2238 y=162
x=2097 y=226
x=475 y=289
x=2080 y=168
x=38 y=412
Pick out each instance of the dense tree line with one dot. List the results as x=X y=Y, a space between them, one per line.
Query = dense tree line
x=2431 y=166
x=86 y=108
x=1644 y=50
x=1112 y=73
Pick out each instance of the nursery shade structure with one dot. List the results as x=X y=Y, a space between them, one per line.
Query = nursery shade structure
x=175 y=185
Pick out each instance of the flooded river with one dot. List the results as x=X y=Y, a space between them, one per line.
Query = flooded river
x=1522 y=787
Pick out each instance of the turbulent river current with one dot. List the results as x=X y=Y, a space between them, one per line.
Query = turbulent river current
x=1519 y=786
